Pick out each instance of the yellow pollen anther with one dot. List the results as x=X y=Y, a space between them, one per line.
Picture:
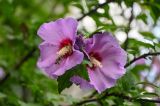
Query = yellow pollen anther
x=65 y=50
x=96 y=62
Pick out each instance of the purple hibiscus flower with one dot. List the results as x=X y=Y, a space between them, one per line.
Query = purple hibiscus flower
x=57 y=52
x=107 y=60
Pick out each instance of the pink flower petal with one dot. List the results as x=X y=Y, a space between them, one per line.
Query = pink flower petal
x=48 y=54
x=54 y=32
x=99 y=80
x=73 y=60
x=81 y=82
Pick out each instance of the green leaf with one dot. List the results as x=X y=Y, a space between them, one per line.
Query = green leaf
x=142 y=17
x=28 y=104
x=64 y=80
x=136 y=43
x=135 y=70
x=147 y=94
x=132 y=51
x=157 y=44
x=126 y=83
x=128 y=2
x=154 y=9
x=148 y=35
x=147 y=83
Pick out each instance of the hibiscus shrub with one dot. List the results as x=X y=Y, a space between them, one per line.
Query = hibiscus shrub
x=79 y=53
x=60 y=52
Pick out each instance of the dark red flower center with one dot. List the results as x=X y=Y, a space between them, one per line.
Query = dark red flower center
x=65 y=42
x=95 y=60
x=65 y=49
x=95 y=55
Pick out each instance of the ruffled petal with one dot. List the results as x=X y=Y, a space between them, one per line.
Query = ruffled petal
x=55 y=68
x=47 y=54
x=99 y=40
x=55 y=32
x=88 y=44
x=81 y=82
x=114 y=54
x=99 y=80
x=64 y=65
x=71 y=61
x=113 y=69
x=113 y=61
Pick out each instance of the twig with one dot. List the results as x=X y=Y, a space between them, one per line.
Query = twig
x=5 y=78
x=25 y=58
x=85 y=101
x=19 y=64
x=95 y=9
x=127 y=30
x=93 y=94
x=140 y=57
x=119 y=96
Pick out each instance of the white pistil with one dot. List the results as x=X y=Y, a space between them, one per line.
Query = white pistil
x=96 y=62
